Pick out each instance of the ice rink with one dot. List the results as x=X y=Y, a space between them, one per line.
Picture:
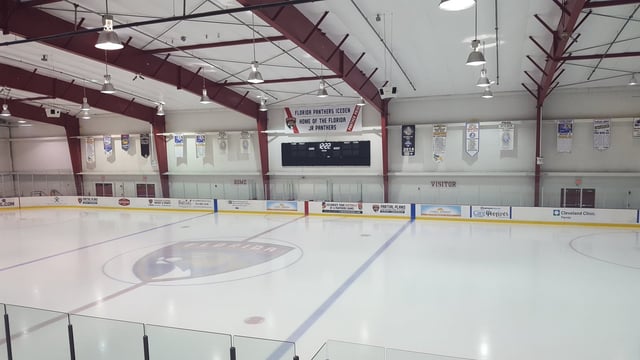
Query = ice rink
x=472 y=290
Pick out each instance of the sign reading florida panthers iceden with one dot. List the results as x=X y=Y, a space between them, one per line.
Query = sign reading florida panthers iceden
x=323 y=119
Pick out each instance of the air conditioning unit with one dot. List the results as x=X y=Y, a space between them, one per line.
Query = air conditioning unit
x=52 y=113
x=388 y=92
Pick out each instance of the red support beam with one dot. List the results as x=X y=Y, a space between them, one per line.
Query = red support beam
x=263 y=142
x=30 y=3
x=34 y=23
x=291 y=23
x=384 y=120
x=161 y=153
x=538 y=166
x=17 y=78
x=216 y=44
x=72 y=130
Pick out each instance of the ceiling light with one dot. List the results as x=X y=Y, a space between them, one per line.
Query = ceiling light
x=85 y=104
x=633 y=80
x=475 y=58
x=107 y=87
x=85 y=115
x=5 y=110
x=487 y=93
x=254 y=76
x=108 y=39
x=263 y=105
x=204 y=99
x=322 y=91
x=22 y=121
x=484 y=81
x=361 y=102
x=456 y=5
x=160 y=109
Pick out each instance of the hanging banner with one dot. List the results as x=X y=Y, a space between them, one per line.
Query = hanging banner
x=439 y=142
x=472 y=138
x=564 y=136
x=323 y=119
x=124 y=142
x=222 y=141
x=178 y=146
x=636 y=128
x=107 y=143
x=408 y=140
x=144 y=145
x=91 y=150
x=601 y=134
x=507 y=132
x=200 y=146
x=245 y=142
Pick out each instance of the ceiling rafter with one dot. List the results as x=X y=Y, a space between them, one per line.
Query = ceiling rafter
x=17 y=78
x=34 y=23
x=290 y=22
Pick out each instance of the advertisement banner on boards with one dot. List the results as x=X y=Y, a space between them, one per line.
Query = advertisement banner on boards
x=331 y=207
x=387 y=209
x=441 y=210
x=491 y=212
x=8 y=203
x=275 y=205
x=636 y=128
x=323 y=119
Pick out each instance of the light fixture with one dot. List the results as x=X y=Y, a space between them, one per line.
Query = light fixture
x=107 y=87
x=456 y=5
x=484 y=81
x=85 y=115
x=204 y=99
x=475 y=58
x=633 y=80
x=322 y=91
x=487 y=93
x=254 y=76
x=5 y=110
x=85 y=103
x=108 y=39
x=361 y=102
x=160 y=111
x=263 y=105
x=21 y=121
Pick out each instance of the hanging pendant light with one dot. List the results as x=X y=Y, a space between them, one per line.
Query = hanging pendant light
x=85 y=115
x=204 y=99
x=160 y=111
x=263 y=105
x=107 y=86
x=5 y=110
x=456 y=5
x=487 y=93
x=633 y=80
x=108 y=39
x=322 y=91
x=475 y=58
x=254 y=76
x=361 y=102
x=484 y=81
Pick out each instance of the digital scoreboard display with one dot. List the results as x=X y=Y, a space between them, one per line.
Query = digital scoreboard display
x=326 y=153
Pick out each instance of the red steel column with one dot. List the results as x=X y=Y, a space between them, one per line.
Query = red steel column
x=384 y=117
x=161 y=154
x=72 y=130
x=263 y=141
x=538 y=170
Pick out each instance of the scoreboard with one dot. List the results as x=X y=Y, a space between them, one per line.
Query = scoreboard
x=326 y=153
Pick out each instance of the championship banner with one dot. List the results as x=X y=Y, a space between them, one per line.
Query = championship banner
x=178 y=145
x=107 y=143
x=91 y=150
x=408 y=140
x=201 y=142
x=124 y=142
x=472 y=138
x=439 y=142
x=245 y=142
x=144 y=145
x=507 y=132
x=323 y=119
x=636 y=128
x=601 y=134
x=564 y=136
x=222 y=141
